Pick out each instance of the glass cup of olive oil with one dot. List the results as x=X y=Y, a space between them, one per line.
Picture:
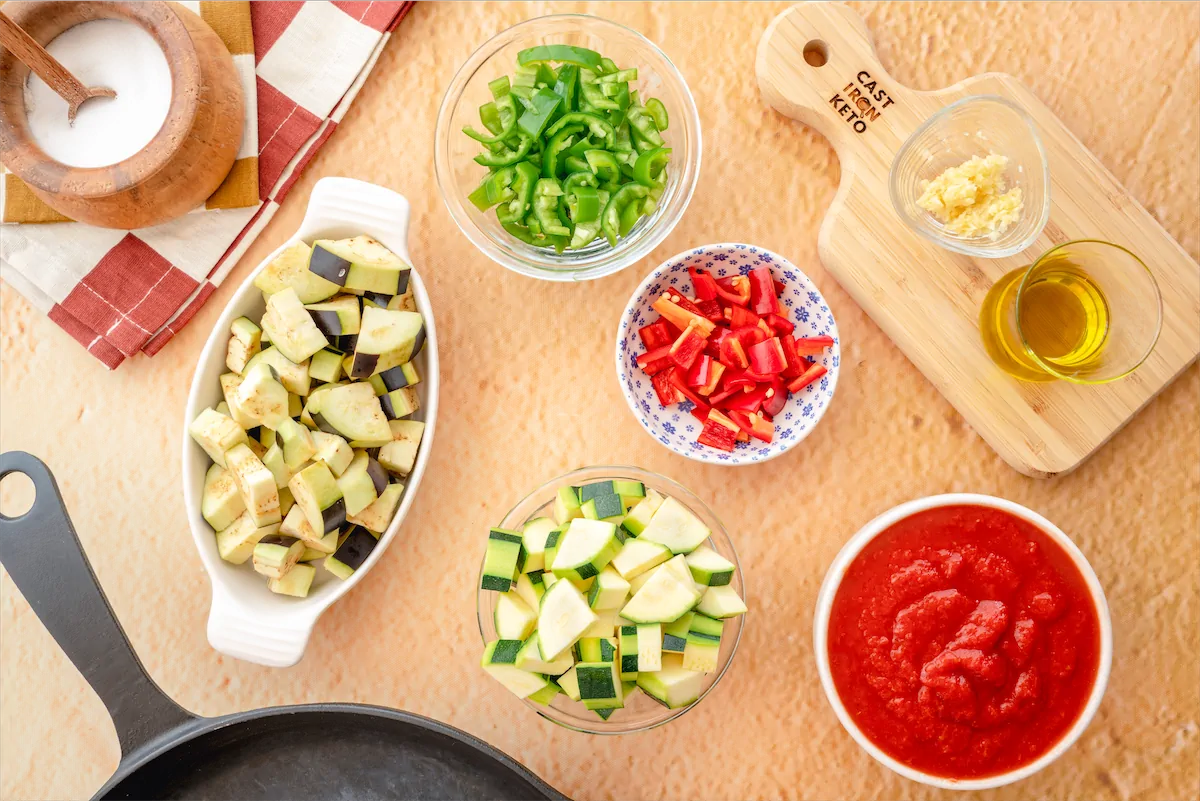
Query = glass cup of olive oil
x=1087 y=311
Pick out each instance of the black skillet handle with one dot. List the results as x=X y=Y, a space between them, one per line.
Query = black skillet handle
x=42 y=554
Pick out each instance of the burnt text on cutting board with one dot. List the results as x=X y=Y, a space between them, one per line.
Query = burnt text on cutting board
x=861 y=101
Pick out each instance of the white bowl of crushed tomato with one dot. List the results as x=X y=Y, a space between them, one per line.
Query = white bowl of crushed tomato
x=963 y=641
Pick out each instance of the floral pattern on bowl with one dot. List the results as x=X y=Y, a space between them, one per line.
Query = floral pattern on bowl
x=675 y=427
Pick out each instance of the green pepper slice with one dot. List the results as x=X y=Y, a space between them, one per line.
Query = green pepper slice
x=576 y=164
x=583 y=177
x=598 y=127
x=499 y=87
x=583 y=202
x=520 y=232
x=499 y=117
x=556 y=146
x=545 y=207
x=650 y=164
x=607 y=65
x=564 y=54
x=629 y=217
x=658 y=113
x=611 y=217
x=535 y=119
x=524 y=181
x=567 y=86
x=496 y=188
x=620 y=76
x=643 y=125
x=605 y=165
x=595 y=98
x=505 y=156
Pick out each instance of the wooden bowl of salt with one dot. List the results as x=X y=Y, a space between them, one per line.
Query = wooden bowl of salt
x=158 y=149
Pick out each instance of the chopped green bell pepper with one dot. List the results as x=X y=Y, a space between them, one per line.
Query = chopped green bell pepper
x=649 y=165
x=598 y=127
x=496 y=188
x=535 y=119
x=563 y=54
x=499 y=87
x=506 y=156
x=605 y=165
x=558 y=143
x=658 y=113
x=610 y=218
x=545 y=207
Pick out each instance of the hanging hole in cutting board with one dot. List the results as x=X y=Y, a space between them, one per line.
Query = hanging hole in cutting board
x=17 y=495
x=816 y=53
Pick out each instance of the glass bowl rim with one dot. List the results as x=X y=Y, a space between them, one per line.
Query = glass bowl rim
x=1074 y=379
x=961 y=246
x=693 y=501
x=610 y=260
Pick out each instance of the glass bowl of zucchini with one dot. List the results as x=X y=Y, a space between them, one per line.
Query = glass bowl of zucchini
x=567 y=147
x=610 y=600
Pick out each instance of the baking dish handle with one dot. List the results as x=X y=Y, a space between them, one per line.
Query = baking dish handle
x=274 y=640
x=43 y=556
x=345 y=207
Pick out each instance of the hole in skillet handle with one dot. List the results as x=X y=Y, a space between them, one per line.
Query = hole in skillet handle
x=17 y=495
x=816 y=53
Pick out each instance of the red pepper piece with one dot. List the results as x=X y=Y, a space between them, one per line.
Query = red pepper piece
x=656 y=335
x=767 y=357
x=680 y=317
x=796 y=364
x=714 y=380
x=747 y=401
x=810 y=375
x=813 y=346
x=754 y=425
x=762 y=291
x=703 y=284
x=779 y=287
x=667 y=392
x=779 y=324
x=740 y=318
x=689 y=345
x=761 y=378
x=711 y=310
x=700 y=412
x=686 y=303
x=736 y=379
x=701 y=371
x=719 y=432
x=733 y=354
x=678 y=379
x=775 y=398
x=655 y=361
x=719 y=335
x=734 y=290
x=750 y=336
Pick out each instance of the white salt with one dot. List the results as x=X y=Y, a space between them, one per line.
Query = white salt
x=113 y=53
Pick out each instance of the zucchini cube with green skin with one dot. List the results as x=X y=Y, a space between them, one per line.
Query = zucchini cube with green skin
x=275 y=555
x=533 y=537
x=552 y=540
x=639 y=516
x=674 y=639
x=378 y=516
x=673 y=686
x=530 y=659
x=499 y=660
x=317 y=494
x=362 y=482
x=566 y=506
x=340 y=316
x=503 y=560
x=513 y=618
x=290 y=327
x=298 y=443
x=531 y=586
x=649 y=644
x=216 y=433
x=245 y=340
x=290 y=269
x=563 y=617
x=325 y=365
x=235 y=542
x=596 y=489
x=399 y=403
x=352 y=411
x=628 y=649
x=604 y=507
x=721 y=602
x=631 y=492
x=361 y=264
x=703 y=646
x=664 y=597
x=709 y=568
x=293 y=375
x=596 y=649
x=387 y=339
x=599 y=685
x=221 y=502
x=586 y=549
x=334 y=451
x=296 y=582
x=609 y=590
x=674 y=526
x=295 y=524
x=255 y=483
x=400 y=455
x=605 y=624
x=351 y=553
x=569 y=684
x=545 y=695
x=637 y=556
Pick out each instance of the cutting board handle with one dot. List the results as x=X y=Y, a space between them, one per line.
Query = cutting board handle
x=816 y=63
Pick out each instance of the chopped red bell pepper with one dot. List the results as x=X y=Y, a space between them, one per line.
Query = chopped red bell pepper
x=775 y=398
x=779 y=287
x=740 y=318
x=762 y=291
x=747 y=401
x=685 y=303
x=703 y=284
x=754 y=425
x=678 y=379
x=810 y=375
x=813 y=346
x=736 y=379
x=700 y=412
x=714 y=342
x=711 y=310
x=733 y=354
x=689 y=345
x=719 y=431
x=761 y=378
x=750 y=336
x=794 y=366
x=734 y=290
x=667 y=392
x=701 y=371
x=679 y=316
x=655 y=361
x=767 y=357
x=656 y=335
x=780 y=324
x=714 y=380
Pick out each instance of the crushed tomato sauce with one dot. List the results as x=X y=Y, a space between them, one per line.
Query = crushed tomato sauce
x=963 y=641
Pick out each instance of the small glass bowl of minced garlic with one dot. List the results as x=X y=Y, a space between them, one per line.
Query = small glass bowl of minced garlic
x=974 y=178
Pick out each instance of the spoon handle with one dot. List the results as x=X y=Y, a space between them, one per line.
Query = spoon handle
x=46 y=66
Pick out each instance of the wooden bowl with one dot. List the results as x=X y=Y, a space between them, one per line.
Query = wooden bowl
x=180 y=167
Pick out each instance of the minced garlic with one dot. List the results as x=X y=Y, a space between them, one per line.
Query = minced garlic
x=971 y=200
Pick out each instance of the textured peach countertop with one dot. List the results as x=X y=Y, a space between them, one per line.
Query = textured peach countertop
x=529 y=392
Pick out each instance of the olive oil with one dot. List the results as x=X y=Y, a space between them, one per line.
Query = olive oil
x=1059 y=320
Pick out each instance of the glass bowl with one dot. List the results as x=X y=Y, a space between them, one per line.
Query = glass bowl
x=975 y=126
x=641 y=712
x=458 y=174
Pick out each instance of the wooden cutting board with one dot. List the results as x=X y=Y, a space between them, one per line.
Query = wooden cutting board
x=926 y=298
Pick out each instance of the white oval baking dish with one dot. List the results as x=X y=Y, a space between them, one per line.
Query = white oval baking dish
x=246 y=619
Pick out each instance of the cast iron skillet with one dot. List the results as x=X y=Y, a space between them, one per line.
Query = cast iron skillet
x=315 y=751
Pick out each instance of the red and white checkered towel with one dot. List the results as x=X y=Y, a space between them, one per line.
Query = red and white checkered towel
x=121 y=292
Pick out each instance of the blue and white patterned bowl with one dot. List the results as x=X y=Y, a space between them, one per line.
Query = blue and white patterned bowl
x=675 y=427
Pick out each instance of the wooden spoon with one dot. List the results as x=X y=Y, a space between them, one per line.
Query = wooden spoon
x=48 y=68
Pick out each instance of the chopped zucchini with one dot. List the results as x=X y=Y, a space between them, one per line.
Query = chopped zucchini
x=675 y=634
x=569 y=683
x=530 y=658
x=709 y=567
x=674 y=526
x=499 y=660
x=609 y=590
x=599 y=685
x=562 y=619
x=703 y=644
x=662 y=599
x=637 y=556
x=639 y=517
x=585 y=549
x=533 y=537
x=503 y=561
x=531 y=587
x=673 y=686
x=513 y=617
x=566 y=505
x=721 y=602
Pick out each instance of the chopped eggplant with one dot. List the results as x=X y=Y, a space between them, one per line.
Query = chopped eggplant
x=221 y=502
x=275 y=555
x=256 y=484
x=290 y=269
x=318 y=496
x=216 y=434
x=362 y=482
x=379 y=514
x=399 y=403
x=351 y=554
x=399 y=455
x=338 y=317
x=291 y=328
x=236 y=542
x=245 y=340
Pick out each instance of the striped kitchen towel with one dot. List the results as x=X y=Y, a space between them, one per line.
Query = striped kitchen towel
x=118 y=293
